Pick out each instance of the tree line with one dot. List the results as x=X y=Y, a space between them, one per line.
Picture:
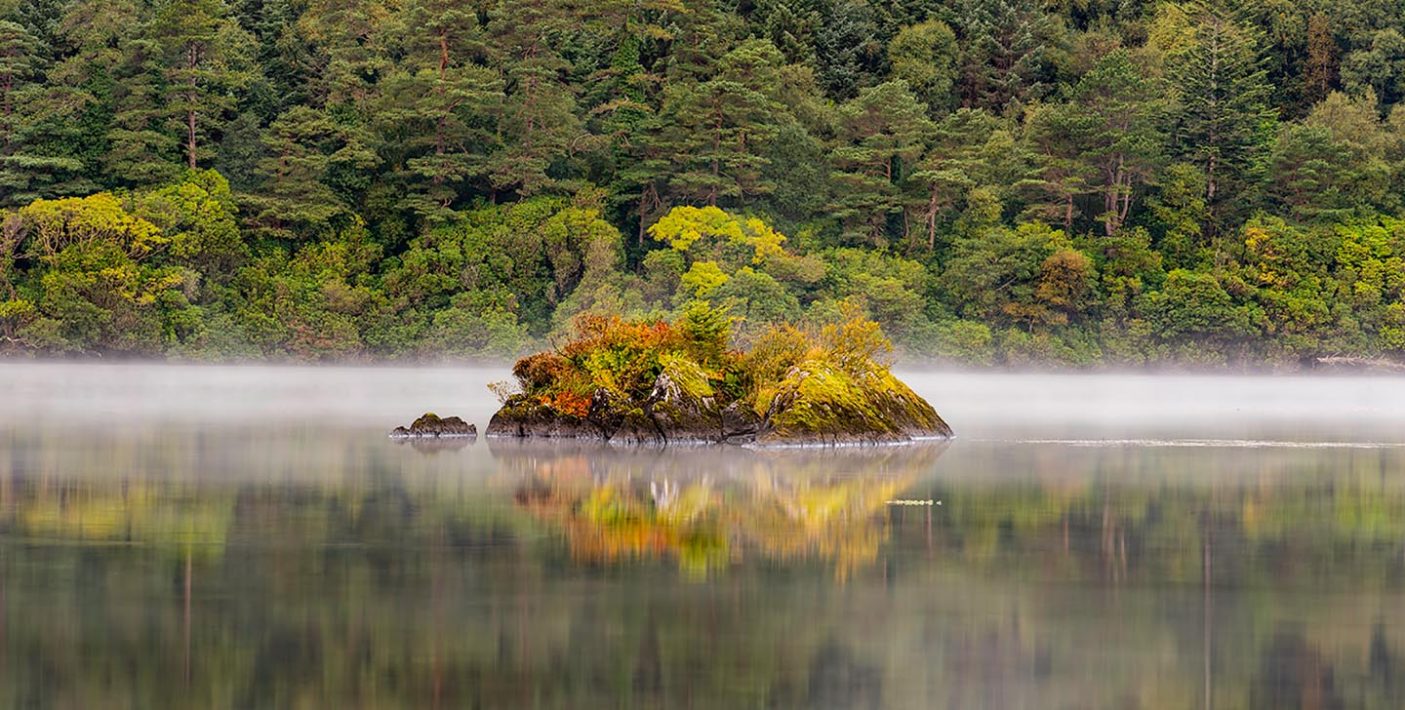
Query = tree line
x=994 y=181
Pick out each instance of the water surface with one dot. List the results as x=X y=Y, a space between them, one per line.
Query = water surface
x=248 y=538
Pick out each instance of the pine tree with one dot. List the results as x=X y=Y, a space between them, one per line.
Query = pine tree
x=437 y=107
x=1222 y=118
x=350 y=49
x=286 y=57
x=716 y=131
x=1058 y=134
x=42 y=19
x=958 y=160
x=626 y=114
x=205 y=61
x=25 y=169
x=540 y=125
x=84 y=87
x=142 y=149
x=1122 y=143
x=644 y=171
x=303 y=146
x=1004 y=45
x=883 y=132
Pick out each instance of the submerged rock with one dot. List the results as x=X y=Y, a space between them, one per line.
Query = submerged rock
x=431 y=425
x=642 y=382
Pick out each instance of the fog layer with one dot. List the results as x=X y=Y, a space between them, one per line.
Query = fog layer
x=1093 y=408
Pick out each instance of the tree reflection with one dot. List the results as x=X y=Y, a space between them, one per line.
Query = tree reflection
x=709 y=510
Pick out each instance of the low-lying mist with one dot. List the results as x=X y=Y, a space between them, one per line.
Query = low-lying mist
x=1079 y=407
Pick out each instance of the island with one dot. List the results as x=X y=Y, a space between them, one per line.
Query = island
x=432 y=426
x=652 y=381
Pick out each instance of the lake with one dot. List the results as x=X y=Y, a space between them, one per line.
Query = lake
x=247 y=537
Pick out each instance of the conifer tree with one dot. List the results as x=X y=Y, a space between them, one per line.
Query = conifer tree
x=205 y=58
x=303 y=146
x=1222 y=120
x=29 y=169
x=716 y=130
x=437 y=107
x=143 y=151
x=1119 y=109
x=1059 y=135
x=540 y=124
x=882 y=134
x=970 y=152
x=1004 y=43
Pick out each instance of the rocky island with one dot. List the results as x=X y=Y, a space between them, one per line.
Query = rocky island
x=432 y=426
x=641 y=381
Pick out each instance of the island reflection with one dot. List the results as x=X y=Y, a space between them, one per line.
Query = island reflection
x=709 y=507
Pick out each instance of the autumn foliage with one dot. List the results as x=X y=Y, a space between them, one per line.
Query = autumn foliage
x=654 y=380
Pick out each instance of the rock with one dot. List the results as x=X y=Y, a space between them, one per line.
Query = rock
x=668 y=414
x=431 y=425
x=817 y=402
x=523 y=419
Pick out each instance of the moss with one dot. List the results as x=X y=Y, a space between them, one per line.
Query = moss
x=430 y=424
x=820 y=399
x=689 y=377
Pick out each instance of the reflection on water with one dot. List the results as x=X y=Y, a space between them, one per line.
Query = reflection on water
x=707 y=508
x=188 y=555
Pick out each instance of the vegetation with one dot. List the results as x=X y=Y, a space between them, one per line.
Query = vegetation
x=654 y=381
x=993 y=181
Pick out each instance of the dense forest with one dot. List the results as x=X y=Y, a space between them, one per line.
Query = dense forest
x=1081 y=182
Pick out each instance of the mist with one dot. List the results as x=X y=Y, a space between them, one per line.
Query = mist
x=1087 y=408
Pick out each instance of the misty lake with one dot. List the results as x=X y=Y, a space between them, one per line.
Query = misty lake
x=248 y=537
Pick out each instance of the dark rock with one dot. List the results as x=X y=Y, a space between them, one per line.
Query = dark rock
x=521 y=419
x=431 y=425
x=666 y=415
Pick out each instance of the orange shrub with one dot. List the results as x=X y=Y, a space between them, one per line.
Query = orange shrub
x=596 y=332
x=567 y=402
x=540 y=371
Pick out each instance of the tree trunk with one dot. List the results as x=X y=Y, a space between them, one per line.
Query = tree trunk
x=5 y=90
x=931 y=216
x=716 y=161
x=192 y=56
x=440 y=125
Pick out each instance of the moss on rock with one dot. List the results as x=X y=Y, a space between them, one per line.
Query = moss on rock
x=431 y=425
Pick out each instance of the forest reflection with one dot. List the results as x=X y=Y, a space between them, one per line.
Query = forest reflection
x=266 y=568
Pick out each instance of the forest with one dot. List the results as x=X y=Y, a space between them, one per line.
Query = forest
x=996 y=182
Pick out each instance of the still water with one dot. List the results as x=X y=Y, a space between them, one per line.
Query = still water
x=248 y=538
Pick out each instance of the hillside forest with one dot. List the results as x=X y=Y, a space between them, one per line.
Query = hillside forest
x=996 y=182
